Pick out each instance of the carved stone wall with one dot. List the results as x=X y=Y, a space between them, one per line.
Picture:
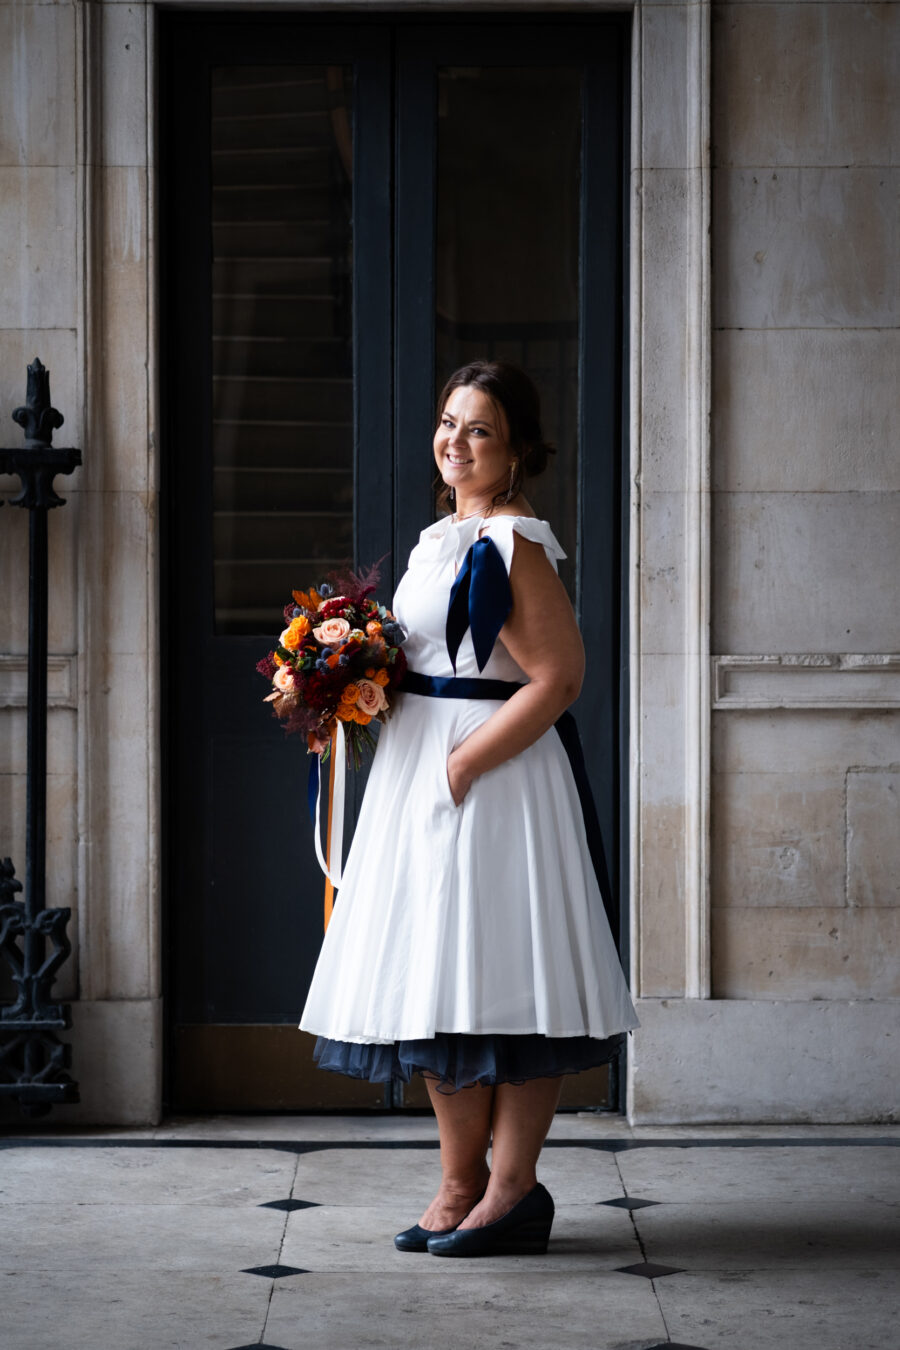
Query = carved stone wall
x=806 y=492
x=763 y=495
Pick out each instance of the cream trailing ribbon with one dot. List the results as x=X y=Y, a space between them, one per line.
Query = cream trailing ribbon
x=335 y=843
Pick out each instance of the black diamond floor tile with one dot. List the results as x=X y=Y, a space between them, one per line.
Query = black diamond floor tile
x=274 y=1272
x=650 y=1270
x=289 y=1205
x=628 y=1202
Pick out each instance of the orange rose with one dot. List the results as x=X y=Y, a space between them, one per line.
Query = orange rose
x=373 y=628
x=295 y=632
x=362 y=718
x=381 y=677
x=350 y=694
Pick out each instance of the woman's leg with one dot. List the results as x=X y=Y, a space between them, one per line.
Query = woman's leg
x=464 y=1123
x=522 y=1116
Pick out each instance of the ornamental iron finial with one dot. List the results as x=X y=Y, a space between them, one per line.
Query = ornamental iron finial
x=38 y=461
x=38 y=419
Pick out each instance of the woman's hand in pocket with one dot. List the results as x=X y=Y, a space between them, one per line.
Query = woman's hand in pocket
x=458 y=777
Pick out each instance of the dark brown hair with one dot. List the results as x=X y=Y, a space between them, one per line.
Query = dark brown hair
x=512 y=390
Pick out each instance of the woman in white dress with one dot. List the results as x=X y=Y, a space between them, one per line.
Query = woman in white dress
x=469 y=942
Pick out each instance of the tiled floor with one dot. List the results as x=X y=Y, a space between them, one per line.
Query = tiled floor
x=276 y=1232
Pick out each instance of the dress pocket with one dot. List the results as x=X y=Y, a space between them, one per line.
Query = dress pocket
x=445 y=785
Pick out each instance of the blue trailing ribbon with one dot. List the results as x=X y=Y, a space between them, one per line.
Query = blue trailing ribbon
x=441 y=686
x=481 y=600
x=312 y=786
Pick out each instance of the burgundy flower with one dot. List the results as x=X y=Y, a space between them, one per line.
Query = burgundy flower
x=267 y=666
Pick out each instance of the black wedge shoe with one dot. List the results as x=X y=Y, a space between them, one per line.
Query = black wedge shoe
x=524 y=1231
x=415 y=1239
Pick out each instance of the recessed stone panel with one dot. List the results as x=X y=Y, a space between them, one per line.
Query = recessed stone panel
x=37 y=93
x=37 y=248
x=806 y=84
x=714 y=1060
x=811 y=410
x=809 y=953
x=61 y=740
x=777 y=839
x=873 y=836
x=805 y=572
x=804 y=742
x=62 y=832
x=806 y=247
x=62 y=545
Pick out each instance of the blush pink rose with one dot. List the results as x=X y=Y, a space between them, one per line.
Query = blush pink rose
x=284 y=680
x=372 y=698
x=332 y=631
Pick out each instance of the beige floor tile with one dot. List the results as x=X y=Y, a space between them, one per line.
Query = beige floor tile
x=135 y=1309
x=591 y=1239
x=787 y=1311
x=830 y=1238
x=707 y=1175
x=488 y=1309
x=144 y=1176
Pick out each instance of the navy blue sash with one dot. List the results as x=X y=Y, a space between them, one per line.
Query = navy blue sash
x=481 y=599
x=440 y=686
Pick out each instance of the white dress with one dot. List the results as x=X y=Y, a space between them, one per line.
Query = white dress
x=481 y=919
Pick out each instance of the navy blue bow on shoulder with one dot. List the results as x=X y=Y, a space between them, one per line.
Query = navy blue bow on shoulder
x=481 y=599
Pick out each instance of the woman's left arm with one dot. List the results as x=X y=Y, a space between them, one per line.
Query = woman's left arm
x=542 y=637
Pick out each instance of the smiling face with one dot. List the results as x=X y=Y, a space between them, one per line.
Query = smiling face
x=471 y=448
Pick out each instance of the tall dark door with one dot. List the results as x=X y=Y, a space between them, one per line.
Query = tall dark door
x=349 y=212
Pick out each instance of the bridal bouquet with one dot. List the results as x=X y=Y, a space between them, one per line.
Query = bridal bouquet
x=336 y=661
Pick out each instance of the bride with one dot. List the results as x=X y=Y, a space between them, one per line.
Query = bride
x=470 y=943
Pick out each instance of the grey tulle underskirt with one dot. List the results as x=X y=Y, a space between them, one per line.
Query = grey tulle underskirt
x=457 y=1059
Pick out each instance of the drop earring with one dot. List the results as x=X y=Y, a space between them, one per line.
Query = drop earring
x=512 y=476
x=453 y=497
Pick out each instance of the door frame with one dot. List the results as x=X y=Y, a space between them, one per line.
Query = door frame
x=115 y=347
x=196 y=43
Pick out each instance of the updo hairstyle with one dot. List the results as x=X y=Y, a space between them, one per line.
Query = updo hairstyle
x=512 y=390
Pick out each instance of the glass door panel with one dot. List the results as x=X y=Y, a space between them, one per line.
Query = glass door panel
x=268 y=261
x=507 y=248
x=282 y=336
x=351 y=211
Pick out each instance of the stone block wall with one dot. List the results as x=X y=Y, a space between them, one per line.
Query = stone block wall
x=76 y=290
x=805 y=812
x=39 y=310
x=764 y=530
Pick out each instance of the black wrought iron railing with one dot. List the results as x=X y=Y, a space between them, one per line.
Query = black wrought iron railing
x=34 y=1063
